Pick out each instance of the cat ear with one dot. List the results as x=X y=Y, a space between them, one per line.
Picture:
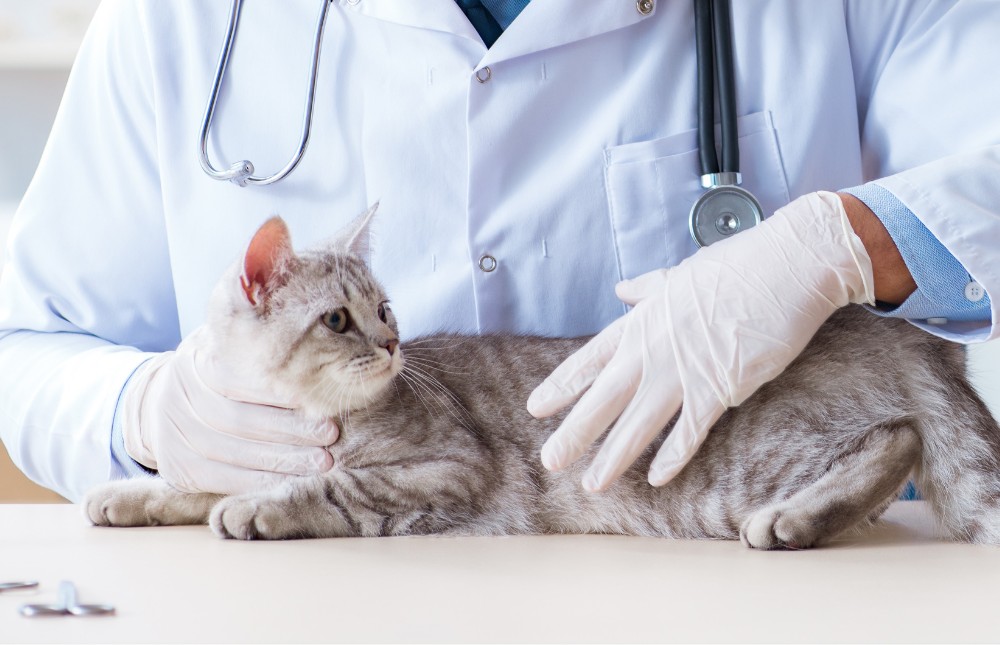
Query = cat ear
x=356 y=236
x=266 y=263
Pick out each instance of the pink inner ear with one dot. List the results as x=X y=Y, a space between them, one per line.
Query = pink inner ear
x=270 y=246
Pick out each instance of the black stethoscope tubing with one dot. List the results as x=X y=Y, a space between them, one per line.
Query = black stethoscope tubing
x=714 y=44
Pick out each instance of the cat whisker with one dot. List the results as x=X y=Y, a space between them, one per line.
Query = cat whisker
x=439 y=348
x=395 y=386
x=430 y=398
x=416 y=389
x=438 y=385
x=369 y=394
x=436 y=339
x=421 y=344
x=319 y=390
x=423 y=361
x=449 y=401
x=417 y=378
x=345 y=413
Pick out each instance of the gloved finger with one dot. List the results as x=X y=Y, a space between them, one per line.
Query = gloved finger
x=575 y=374
x=236 y=383
x=220 y=478
x=594 y=412
x=632 y=291
x=203 y=443
x=645 y=417
x=685 y=438
x=263 y=423
x=253 y=421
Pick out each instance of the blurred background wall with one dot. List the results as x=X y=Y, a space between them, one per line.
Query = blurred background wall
x=38 y=40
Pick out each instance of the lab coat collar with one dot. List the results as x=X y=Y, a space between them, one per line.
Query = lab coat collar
x=543 y=24
x=437 y=15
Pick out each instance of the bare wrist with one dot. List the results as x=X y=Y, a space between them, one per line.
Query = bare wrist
x=893 y=281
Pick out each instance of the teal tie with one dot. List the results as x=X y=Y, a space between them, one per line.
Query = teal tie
x=504 y=11
x=491 y=17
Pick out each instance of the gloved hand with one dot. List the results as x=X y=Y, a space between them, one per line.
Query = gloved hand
x=209 y=429
x=702 y=337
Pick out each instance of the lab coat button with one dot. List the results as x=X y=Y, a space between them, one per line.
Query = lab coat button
x=645 y=7
x=484 y=74
x=487 y=263
x=974 y=292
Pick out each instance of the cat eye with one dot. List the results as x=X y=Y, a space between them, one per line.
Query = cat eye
x=381 y=312
x=337 y=320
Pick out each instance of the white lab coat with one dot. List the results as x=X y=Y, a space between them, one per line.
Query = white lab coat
x=574 y=165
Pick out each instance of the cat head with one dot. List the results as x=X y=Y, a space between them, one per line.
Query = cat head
x=316 y=326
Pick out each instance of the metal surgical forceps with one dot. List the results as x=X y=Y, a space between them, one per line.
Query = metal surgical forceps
x=17 y=586
x=66 y=605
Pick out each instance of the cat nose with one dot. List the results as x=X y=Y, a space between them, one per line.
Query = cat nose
x=390 y=346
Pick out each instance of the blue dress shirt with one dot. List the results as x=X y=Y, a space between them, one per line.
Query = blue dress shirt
x=945 y=290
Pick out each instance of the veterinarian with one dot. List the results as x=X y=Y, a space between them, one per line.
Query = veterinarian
x=536 y=164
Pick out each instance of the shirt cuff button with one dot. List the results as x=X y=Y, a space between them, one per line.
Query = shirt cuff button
x=974 y=292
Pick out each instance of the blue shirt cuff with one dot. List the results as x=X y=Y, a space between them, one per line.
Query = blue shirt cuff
x=122 y=465
x=945 y=290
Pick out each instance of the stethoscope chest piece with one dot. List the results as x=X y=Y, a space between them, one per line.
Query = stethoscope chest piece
x=722 y=212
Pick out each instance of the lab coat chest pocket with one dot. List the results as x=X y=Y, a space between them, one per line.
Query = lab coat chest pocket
x=651 y=186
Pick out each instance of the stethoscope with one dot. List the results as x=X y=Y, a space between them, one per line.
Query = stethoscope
x=725 y=208
x=722 y=211
x=241 y=172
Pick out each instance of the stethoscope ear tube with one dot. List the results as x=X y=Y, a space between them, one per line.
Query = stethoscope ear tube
x=706 y=86
x=722 y=37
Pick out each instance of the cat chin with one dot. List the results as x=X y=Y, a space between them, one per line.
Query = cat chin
x=352 y=394
x=343 y=405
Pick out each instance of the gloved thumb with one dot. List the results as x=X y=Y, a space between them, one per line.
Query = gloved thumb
x=632 y=291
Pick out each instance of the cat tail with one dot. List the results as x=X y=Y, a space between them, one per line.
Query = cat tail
x=959 y=471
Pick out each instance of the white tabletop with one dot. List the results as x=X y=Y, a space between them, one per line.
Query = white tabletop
x=900 y=582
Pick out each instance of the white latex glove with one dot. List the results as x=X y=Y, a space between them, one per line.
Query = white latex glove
x=208 y=429
x=702 y=337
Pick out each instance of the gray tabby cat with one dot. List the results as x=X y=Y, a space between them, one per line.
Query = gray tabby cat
x=435 y=437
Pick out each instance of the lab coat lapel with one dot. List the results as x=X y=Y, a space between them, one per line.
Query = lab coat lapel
x=438 y=15
x=545 y=24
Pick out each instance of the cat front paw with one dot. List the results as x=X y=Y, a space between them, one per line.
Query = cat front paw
x=122 y=503
x=145 y=502
x=249 y=517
